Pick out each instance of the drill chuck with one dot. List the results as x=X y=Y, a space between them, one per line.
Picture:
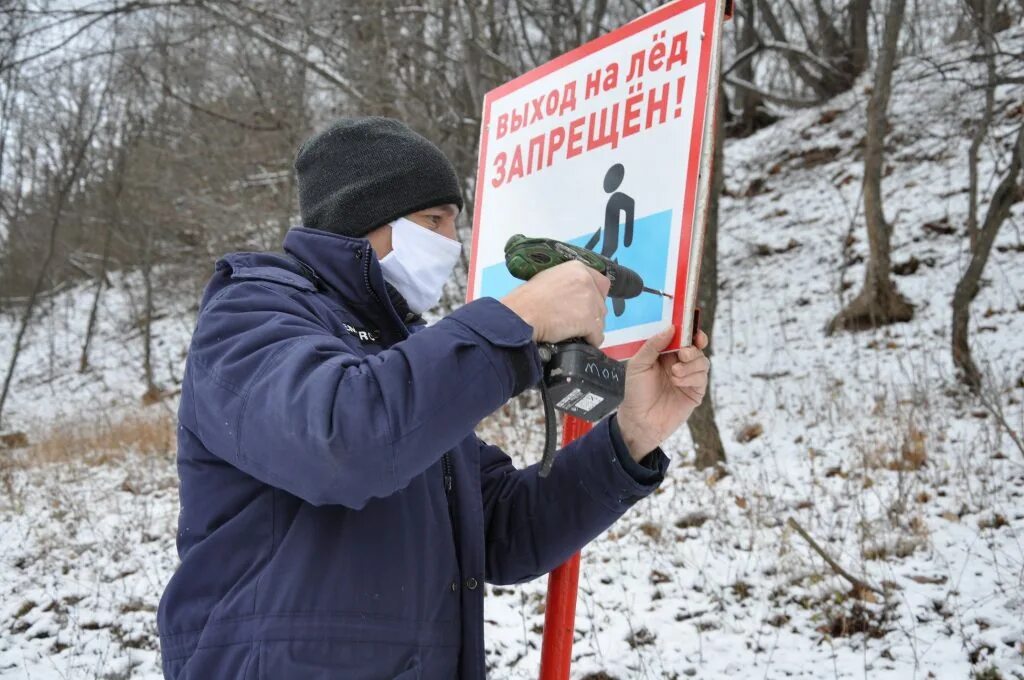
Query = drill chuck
x=626 y=282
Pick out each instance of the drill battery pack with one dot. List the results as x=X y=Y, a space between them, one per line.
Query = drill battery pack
x=583 y=382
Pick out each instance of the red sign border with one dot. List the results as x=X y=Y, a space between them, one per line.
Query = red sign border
x=625 y=350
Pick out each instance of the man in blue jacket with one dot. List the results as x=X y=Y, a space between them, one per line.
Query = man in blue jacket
x=338 y=515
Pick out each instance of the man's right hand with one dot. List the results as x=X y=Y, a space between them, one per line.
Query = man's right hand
x=565 y=301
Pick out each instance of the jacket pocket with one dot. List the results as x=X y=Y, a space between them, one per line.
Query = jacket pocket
x=239 y=661
x=329 y=660
x=252 y=671
x=412 y=673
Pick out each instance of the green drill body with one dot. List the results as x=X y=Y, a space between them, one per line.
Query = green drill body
x=527 y=257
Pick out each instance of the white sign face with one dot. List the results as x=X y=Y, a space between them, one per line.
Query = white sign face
x=602 y=148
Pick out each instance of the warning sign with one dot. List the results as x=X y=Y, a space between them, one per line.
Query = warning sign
x=608 y=147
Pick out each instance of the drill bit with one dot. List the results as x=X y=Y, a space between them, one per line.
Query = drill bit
x=656 y=292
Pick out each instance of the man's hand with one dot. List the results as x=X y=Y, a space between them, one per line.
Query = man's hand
x=565 y=301
x=661 y=391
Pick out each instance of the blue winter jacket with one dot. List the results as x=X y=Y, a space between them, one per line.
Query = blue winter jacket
x=338 y=515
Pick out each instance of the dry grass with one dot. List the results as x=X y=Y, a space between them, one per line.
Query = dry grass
x=147 y=432
x=883 y=453
x=69 y=449
x=749 y=433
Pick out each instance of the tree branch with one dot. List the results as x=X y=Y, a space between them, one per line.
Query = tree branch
x=769 y=96
x=324 y=72
x=859 y=585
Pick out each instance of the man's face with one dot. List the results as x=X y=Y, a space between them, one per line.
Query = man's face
x=439 y=219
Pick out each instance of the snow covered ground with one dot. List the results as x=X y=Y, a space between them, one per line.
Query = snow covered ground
x=864 y=440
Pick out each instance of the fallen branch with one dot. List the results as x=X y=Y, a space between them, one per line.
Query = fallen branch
x=771 y=96
x=859 y=585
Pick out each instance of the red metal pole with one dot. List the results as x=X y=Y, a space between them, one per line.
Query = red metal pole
x=560 y=612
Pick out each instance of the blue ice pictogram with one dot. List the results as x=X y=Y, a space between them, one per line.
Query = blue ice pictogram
x=647 y=254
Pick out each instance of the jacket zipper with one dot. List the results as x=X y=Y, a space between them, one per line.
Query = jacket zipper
x=448 y=469
x=366 y=277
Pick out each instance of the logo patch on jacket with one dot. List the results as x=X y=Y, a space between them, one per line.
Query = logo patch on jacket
x=366 y=336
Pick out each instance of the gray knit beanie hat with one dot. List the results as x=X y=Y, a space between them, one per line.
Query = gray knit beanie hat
x=361 y=173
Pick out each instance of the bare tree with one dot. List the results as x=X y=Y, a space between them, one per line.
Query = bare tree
x=112 y=196
x=967 y=287
x=983 y=15
x=858 y=51
x=878 y=303
x=83 y=115
x=751 y=114
x=996 y=15
x=828 y=56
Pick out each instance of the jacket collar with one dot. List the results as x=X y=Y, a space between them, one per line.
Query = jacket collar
x=349 y=266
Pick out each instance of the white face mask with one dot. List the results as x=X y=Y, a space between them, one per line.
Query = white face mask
x=419 y=264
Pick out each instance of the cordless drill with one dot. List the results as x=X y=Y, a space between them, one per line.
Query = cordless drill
x=579 y=379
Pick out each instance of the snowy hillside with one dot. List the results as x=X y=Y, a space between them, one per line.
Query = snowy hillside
x=48 y=386
x=863 y=440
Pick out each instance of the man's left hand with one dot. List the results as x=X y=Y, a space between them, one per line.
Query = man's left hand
x=662 y=390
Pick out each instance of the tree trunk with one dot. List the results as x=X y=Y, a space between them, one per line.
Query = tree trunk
x=114 y=221
x=967 y=288
x=147 y=315
x=83 y=361
x=860 y=14
x=973 y=10
x=981 y=12
x=751 y=113
x=706 y=439
x=878 y=303
x=831 y=43
x=983 y=18
x=297 y=126
x=794 y=60
x=600 y=8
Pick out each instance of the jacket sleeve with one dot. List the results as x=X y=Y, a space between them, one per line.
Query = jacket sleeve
x=532 y=525
x=282 y=398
